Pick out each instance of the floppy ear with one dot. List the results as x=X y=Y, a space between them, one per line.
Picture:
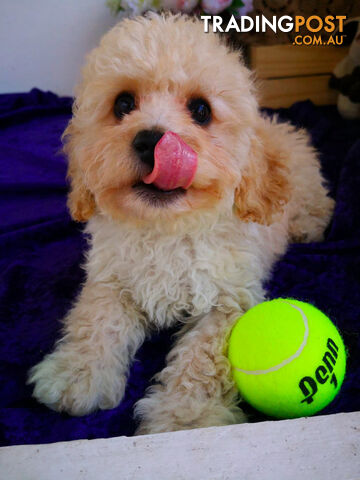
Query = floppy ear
x=81 y=201
x=264 y=188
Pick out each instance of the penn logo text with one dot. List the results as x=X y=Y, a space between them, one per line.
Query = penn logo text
x=323 y=373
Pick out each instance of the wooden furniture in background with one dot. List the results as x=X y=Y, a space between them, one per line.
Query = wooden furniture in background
x=289 y=73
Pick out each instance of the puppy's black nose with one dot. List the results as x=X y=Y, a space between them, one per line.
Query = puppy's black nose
x=144 y=145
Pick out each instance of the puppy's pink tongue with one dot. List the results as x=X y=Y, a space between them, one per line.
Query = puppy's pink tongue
x=175 y=163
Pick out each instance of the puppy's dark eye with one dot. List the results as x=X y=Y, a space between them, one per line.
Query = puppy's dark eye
x=200 y=111
x=124 y=104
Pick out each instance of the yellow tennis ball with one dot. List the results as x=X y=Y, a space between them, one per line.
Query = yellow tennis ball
x=287 y=357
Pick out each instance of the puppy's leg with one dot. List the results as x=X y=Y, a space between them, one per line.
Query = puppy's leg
x=195 y=389
x=89 y=365
x=310 y=208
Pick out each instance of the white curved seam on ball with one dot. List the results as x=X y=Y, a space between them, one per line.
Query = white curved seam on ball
x=287 y=360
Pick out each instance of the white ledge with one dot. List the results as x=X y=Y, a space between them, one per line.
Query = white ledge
x=318 y=448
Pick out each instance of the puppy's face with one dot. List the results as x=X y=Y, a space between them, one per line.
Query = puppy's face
x=150 y=76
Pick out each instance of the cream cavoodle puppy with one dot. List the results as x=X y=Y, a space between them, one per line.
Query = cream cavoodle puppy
x=190 y=195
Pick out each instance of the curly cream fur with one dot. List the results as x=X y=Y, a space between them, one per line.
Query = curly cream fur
x=200 y=260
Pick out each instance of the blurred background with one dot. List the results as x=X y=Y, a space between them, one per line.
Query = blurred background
x=43 y=43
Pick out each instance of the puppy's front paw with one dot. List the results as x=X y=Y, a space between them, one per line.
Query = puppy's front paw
x=67 y=381
x=162 y=412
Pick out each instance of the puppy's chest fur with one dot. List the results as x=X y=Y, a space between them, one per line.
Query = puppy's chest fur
x=172 y=276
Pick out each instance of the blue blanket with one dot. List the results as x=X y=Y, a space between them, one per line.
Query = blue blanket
x=41 y=250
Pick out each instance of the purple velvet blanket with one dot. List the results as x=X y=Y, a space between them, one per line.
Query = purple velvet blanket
x=41 y=250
